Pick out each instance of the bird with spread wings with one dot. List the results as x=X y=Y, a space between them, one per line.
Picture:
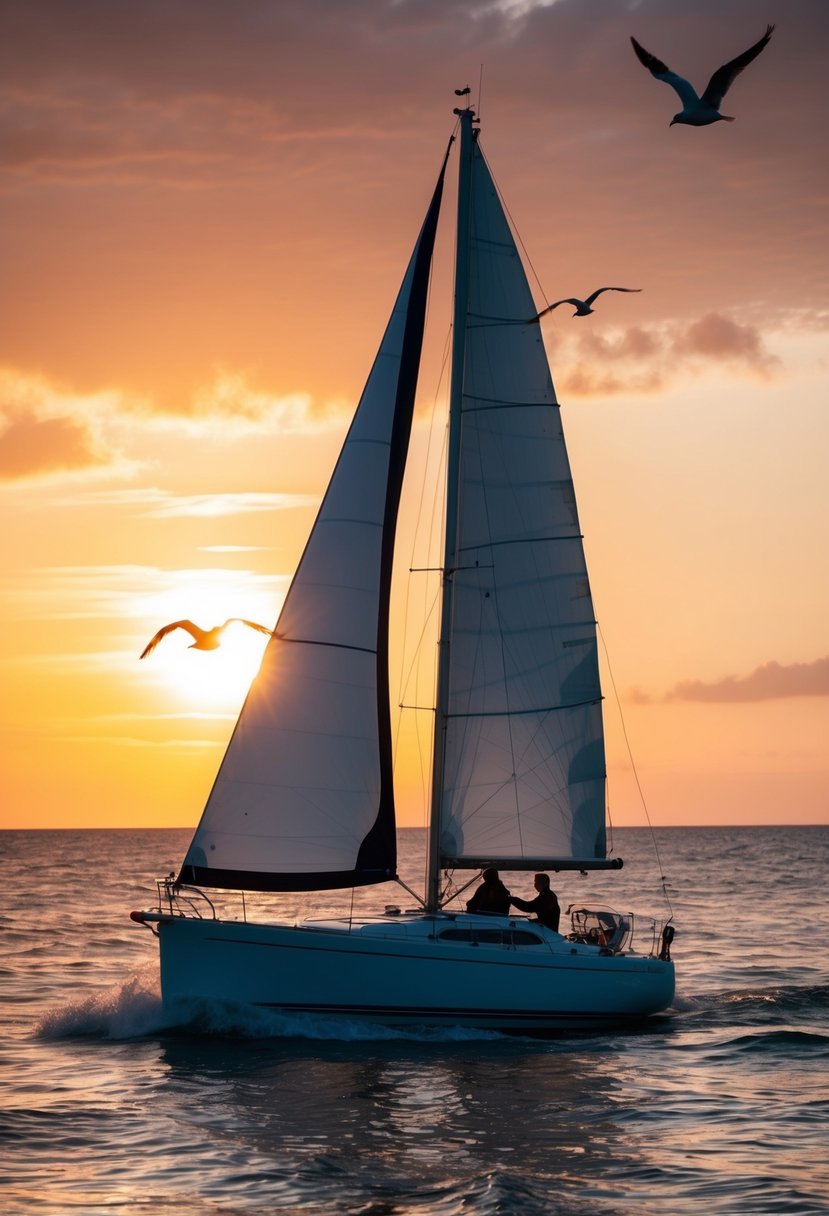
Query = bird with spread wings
x=701 y=111
x=203 y=639
x=583 y=307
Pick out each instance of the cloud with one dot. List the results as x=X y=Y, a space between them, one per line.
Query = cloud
x=643 y=358
x=720 y=338
x=231 y=549
x=770 y=682
x=47 y=429
x=30 y=445
x=134 y=592
x=149 y=502
x=272 y=202
x=229 y=397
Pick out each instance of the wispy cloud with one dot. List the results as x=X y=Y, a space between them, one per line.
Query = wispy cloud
x=771 y=681
x=229 y=397
x=132 y=592
x=48 y=428
x=232 y=549
x=150 y=502
x=30 y=445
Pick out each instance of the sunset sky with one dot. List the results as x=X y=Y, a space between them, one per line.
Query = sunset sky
x=205 y=214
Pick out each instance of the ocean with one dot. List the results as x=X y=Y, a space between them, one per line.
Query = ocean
x=721 y=1105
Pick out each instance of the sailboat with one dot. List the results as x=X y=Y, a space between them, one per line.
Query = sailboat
x=304 y=797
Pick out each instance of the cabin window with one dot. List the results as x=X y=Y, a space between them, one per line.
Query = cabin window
x=489 y=937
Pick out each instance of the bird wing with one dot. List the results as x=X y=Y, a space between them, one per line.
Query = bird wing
x=724 y=77
x=250 y=624
x=550 y=308
x=687 y=92
x=590 y=299
x=162 y=633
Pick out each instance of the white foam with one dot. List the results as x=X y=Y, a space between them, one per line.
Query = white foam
x=128 y=1010
x=250 y=1021
x=134 y=1009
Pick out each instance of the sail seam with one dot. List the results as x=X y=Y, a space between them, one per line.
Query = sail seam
x=514 y=540
x=517 y=713
x=496 y=403
x=489 y=243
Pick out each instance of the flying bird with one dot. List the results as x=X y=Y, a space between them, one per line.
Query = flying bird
x=204 y=639
x=701 y=111
x=583 y=307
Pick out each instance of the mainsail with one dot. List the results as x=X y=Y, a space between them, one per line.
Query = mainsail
x=519 y=743
x=304 y=798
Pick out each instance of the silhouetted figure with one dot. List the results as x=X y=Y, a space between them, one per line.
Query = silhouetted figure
x=204 y=639
x=491 y=895
x=545 y=905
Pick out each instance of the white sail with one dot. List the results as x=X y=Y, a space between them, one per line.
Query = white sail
x=304 y=797
x=522 y=743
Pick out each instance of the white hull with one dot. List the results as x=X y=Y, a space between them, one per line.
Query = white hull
x=402 y=972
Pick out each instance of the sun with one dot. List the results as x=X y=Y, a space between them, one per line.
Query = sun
x=212 y=679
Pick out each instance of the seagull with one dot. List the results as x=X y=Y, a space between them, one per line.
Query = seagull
x=205 y=639
x=701 y=111
x=582 y=307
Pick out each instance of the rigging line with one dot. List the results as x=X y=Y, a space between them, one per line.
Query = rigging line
x=662 y=877
x=404 y=684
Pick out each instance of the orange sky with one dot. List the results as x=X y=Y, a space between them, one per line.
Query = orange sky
x=205 y=213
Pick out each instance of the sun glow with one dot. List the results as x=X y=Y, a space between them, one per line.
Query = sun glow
x=215 y=680
x=212 y=679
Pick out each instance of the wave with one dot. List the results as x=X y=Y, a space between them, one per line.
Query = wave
x=133 y=1009
x=229 y=1019
x=781 y=1041
x=758 y=1006
x=130 y=1010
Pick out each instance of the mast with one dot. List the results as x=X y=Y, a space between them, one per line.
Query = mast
x=468 y=135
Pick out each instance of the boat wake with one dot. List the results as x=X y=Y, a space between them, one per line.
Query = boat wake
x=228 y=1019
x=129 y=1010
x=133 y=1009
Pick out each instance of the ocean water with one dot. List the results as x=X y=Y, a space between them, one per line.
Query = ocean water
x=719 y=1106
